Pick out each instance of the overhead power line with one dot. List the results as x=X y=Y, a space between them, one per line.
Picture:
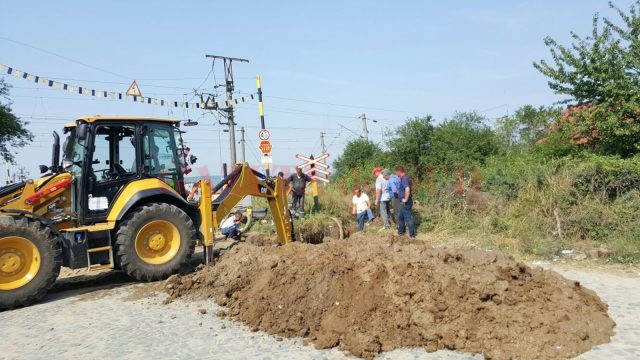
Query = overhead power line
x=64 y=57
x=343 y=105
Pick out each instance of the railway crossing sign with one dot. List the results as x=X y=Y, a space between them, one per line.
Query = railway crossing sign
x=314 y=166
x=265 y=146
x=263 y=134
x=308 y=161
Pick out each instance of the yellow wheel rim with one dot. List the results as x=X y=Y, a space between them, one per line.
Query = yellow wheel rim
x=19 y=262
x=157 y=242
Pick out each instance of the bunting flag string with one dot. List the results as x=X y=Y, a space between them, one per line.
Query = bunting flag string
x=209 y=104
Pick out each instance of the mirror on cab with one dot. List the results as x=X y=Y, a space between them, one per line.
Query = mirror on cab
x=82 y=130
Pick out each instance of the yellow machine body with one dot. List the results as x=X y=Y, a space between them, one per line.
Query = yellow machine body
x=46 y=211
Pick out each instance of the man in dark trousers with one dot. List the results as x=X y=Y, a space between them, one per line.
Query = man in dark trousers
x=297 y=185
x=406 y=198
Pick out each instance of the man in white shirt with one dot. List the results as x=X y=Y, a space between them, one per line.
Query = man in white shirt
x=194 y=194
x=360 y=207
x=231 y=226
x=383 y=197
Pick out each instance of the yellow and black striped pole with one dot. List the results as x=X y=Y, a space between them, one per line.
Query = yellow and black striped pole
x=261 y=110
x=260 y=105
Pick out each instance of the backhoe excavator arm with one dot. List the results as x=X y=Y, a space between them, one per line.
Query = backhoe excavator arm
x=243 y=181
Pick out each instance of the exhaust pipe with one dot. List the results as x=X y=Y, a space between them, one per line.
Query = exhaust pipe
x=55 y=156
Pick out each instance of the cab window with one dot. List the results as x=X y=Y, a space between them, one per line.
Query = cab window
x=113 y=164
x=160 y=157
x=114 y=153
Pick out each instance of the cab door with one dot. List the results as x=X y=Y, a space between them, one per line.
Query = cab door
x=113 y=162
x=161 y=156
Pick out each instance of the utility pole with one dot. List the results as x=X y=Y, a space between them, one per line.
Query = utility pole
x=242 y=142
x=22 y=174
x=229 y=86
x=365 y=132
x=324 y=148
x=8 y=173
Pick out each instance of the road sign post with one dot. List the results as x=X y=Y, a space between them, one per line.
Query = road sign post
x=265 y=147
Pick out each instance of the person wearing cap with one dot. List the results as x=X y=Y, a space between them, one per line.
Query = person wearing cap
x=383 y=197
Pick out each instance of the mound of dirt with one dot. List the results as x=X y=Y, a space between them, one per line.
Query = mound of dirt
x=259 y=239
x=374 y=294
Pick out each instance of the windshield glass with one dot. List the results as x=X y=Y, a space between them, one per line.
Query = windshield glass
x=74 y=151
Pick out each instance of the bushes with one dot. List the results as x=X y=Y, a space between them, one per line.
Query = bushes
x=532 y=191
x=506 y=175
x=609 y=176
x=584 y=202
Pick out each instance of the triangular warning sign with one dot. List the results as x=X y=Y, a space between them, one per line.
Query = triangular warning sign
x=134 y=90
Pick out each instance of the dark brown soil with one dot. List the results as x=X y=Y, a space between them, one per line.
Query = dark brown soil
x=372 y=294
x=259 y=239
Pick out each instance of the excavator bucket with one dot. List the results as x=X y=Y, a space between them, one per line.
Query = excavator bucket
x=241 y=182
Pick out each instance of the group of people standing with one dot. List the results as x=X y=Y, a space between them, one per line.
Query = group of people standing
x=393 y=192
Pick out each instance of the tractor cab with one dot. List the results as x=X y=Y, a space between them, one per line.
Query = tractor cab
x=106 y=154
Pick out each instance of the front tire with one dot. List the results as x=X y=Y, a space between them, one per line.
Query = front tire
x=155 y=241
x=30 y=260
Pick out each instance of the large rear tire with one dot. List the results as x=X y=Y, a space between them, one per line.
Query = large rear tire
x=30 y=260
x=155 y=241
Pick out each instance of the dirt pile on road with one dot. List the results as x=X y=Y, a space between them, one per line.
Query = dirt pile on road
x=374 y=294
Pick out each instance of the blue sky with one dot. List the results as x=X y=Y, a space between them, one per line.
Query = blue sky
x=322 y=63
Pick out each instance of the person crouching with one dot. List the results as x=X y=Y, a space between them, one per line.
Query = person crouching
x=230 y=228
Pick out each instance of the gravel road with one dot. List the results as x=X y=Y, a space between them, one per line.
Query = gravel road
x=107 y=317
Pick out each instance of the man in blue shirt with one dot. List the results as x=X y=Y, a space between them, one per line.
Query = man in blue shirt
x=394 y=185
x=406 y=198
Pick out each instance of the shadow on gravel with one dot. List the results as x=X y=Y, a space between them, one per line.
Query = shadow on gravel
x=84 y=284
x=88 y=283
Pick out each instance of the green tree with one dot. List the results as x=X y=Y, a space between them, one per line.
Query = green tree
x=527 y=126
x=411 y=142
x=357 y=154
x=464 y=139
x=13 y=131
x=602 y=72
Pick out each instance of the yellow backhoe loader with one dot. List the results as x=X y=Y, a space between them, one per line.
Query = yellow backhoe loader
x=117 y=200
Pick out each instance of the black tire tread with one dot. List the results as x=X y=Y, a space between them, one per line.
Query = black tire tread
x=43 y=281
x=125 y=238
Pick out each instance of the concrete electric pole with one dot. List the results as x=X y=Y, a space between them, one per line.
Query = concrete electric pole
x=324 y=148
x=365 y=131
x=229 y=86
x=242 y=144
